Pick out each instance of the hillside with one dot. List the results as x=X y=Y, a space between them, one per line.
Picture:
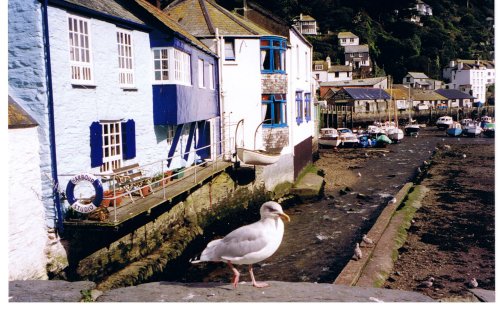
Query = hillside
x=457 y=29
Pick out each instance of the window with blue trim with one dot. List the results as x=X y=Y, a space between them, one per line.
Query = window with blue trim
x=307 y=97
x=299 y=106
x=272 y=55
x=275 y=108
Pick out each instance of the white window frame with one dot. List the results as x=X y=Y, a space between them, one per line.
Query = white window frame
x=173 y=66
x=80 y=51
x=112 y=154
x=211 y=79
x=124 y=41
x=201 y=73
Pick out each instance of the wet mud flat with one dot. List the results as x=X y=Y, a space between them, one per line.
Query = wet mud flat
x=452 y=236
x=321 y=236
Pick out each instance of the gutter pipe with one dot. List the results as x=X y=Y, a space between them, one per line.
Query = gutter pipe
x=50 y=104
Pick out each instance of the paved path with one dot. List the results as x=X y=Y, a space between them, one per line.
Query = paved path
x=62 y=291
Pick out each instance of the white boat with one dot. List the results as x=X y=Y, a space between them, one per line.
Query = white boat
x=465 y=122
x=395 y=134
x=347 y=138
x=328 y=137
x=375 y=129
x=472 y=129
x=454 y=130
x=444 y=122
x=412 y=128
x=257 y=157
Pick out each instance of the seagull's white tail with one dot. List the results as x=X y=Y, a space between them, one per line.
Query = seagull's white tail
x=209 y=253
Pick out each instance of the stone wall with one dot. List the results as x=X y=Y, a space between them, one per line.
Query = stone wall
x=274 y=84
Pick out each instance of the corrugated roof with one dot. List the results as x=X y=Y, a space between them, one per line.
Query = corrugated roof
x=454 y=94
x=18 y=117
x=358 y=48
x=367 y=93
x=356 y=82
x=202 y=17
x=417 y=75
x=346 y=35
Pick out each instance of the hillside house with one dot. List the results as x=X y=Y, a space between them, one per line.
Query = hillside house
x=456 y=98
x=470 y=76
x=347 y=39
x=358 y=57
x=419 y=80
x=324 y=71
x=306 y=25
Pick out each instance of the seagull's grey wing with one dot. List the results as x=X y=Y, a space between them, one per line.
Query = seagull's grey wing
x=242 y=241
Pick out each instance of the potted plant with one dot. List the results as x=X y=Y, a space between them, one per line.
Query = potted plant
x=108 y=200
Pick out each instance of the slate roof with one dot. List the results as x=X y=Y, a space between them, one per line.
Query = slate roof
x=367 y=93
x=355 y=49
x=340 y=68
x=111 y=7
x=307 y=18
x=454 y=94
x=18 y=117
x=346 y=35
x=202 y=17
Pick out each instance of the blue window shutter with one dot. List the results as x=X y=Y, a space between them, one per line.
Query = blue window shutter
x=95 y=144
x=128 y=140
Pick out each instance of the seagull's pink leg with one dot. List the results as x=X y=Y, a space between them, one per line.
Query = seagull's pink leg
x=236 y=277
x=255 y=284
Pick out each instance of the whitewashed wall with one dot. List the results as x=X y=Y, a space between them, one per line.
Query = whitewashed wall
x=27 y=227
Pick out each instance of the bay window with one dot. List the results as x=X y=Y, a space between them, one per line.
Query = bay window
x=274 y=109
x=272 y=55
x=171 y=66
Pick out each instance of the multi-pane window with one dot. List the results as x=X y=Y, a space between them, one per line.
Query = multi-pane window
x=229 y=54
x=307 y=101
x=275 y=108
x=79 y=50
x=171 y=66
x=201 y=73
x=272 y=55
x=125 y=58
x=299 y=105
x=211 y=81
x=111 y=146
x=318 y=67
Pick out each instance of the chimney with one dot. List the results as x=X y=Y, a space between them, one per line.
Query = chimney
x=452 y=63
x=301 y=16
x=328 y=61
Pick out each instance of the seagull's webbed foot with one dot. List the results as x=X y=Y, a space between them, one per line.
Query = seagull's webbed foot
x=254 y=282
x=236 y=277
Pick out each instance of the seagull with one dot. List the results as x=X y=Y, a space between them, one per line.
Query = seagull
x=473 y=283
x=464 y=155
x=357 y=252
x=367 y=240
x=393 y=200
x=427 y=283
x=249 y=244
x=359 y=174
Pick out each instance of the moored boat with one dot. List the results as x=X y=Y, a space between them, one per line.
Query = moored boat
x=454 y=130
x=257 y=157
x=489 y=130
x=328 y=137
x=472 y=129
x=395 y=134
x=347 y=138
x=412 y=128
x=367 y=141
x=444 y=122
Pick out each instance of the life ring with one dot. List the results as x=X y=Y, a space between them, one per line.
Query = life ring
x=77 y=205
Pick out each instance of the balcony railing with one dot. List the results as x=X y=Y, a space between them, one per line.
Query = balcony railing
x=123 y=201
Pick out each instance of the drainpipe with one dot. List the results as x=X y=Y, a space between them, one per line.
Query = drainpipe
x=50 y=100
x=221 y=96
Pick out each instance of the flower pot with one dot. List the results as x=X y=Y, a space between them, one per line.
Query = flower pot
x=108 y=200
x=145 y=190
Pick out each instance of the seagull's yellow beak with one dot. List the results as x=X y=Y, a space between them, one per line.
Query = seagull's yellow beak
x=284 y=217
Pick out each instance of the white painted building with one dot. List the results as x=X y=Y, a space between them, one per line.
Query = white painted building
x=347 y=39
x=470 y=76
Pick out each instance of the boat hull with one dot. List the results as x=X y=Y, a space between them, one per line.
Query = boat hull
x=454 y=132
x=412 y=130
x=329 y=141
x=257 y=157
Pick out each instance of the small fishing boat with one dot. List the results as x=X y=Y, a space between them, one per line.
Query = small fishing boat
x=489 y=130
x=328 y=137
x=454 y=130
x=375 y=130
x=412 y=128
x=395 y=134
x=257 y=157
x=444 y=122
x=347 y=138
x=486 y=119
x=472 y=129
x=465 y=122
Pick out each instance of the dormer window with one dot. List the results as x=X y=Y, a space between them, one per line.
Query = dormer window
x=272 y=55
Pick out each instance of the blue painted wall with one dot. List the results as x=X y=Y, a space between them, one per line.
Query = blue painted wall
x=178 y=104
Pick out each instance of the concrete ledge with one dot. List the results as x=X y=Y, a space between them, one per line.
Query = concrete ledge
x=49 y=290
x=354 y=269
x=308 y=186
